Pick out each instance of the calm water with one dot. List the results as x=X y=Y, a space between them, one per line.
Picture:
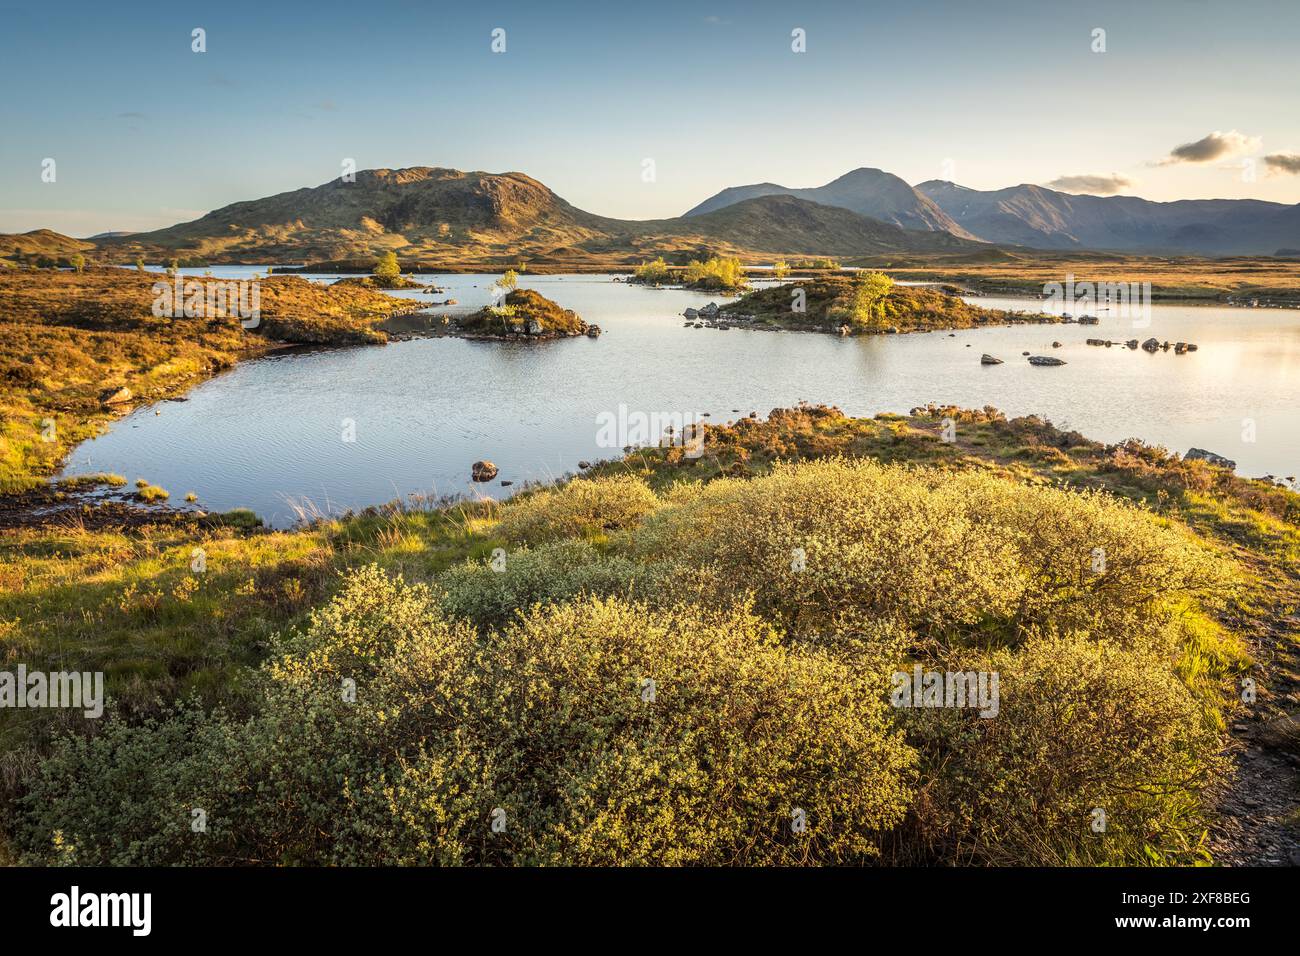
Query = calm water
x=271 y=430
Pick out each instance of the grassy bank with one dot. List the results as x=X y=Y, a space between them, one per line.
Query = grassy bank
x=1238 y=280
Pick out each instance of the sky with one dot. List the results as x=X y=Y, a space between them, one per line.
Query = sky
x=637 y=110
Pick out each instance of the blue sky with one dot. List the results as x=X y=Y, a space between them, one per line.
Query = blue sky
x=146 y=132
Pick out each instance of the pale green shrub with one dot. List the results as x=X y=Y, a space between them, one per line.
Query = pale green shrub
x=548 y=721
x=876 y=543
x=742 y=731
x=582 y=507
x=543 y=575
x=1083 y=726
x=947 y=554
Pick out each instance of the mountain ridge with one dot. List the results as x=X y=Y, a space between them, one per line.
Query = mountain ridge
x=439 y=213
x=1045 y=218
x=866 y=190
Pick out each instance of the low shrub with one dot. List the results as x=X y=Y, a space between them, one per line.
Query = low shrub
x=582 y=507
x=964 y=557
x=743 y=750
x=1097 y=755
x=492 y=593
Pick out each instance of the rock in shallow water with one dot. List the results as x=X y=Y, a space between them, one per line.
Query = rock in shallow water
x=483 y=470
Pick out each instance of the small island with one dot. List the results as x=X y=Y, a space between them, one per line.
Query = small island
x=522 y=314
x=387 y=275
x=717 y=274
x=864 y=304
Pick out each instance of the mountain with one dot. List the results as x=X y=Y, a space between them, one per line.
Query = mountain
x=868 y=192
x=1047 y=219
x=445 y=214
x=409 y=211
x=787 y=225
x=41 y=242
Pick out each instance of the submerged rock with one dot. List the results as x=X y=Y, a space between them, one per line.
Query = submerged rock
x=1045 y=360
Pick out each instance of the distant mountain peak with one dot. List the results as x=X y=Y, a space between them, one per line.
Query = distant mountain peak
x=865 y=190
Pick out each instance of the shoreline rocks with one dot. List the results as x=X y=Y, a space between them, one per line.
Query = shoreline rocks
x=1210 y=458
x=483 y=470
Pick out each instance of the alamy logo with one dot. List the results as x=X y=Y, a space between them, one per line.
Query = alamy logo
x=1124 y=300
x=56 y=689
x=219 y=299
x=977 y=690
x=624 y=429
x=103 y=909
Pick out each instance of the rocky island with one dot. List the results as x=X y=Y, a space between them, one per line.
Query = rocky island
x=522 y=314
x=868 y=303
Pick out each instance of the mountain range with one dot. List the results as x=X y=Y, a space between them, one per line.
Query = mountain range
x=1042 y=218
x=868 y=192
x=437 y=215
x=445 y=214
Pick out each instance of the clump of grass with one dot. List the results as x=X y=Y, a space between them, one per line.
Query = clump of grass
x=150 y=493
x=80 y=482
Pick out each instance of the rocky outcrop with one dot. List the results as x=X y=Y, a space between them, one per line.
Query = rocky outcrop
x=115 y=396
x=1209 y=457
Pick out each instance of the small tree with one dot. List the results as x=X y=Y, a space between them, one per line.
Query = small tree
x=509 y=281
x=386 y=266
x=868 y=289
x=79 y=262
x=655 y=273
x=780 y=269
x=173 y=267
x=139 y=265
